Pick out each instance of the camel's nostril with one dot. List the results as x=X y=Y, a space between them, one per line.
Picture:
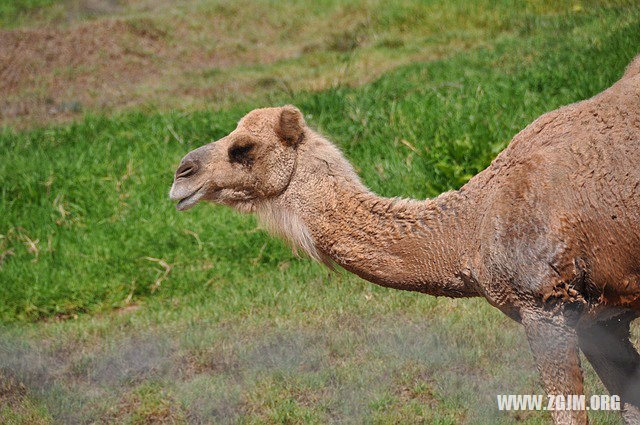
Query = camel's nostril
x=186 y=169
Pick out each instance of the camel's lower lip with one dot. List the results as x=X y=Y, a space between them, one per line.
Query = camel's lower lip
x=189 y=201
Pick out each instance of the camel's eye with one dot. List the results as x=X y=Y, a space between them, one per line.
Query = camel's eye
x=241 y=153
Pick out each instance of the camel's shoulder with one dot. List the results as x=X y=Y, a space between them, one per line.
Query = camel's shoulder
x=601 y=133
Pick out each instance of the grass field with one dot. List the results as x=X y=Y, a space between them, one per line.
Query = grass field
x=118 y=309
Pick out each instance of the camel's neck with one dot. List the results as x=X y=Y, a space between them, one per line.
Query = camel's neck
x=412 y=245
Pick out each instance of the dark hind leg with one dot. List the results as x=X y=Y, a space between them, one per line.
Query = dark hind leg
x=607 y=346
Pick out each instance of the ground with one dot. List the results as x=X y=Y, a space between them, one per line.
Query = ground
x=118 y=309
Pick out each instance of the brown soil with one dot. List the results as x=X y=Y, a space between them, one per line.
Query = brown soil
x=52 y=73
x=170 y=57
x=56 y=74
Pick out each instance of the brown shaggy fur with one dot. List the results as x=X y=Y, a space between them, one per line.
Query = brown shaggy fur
x=549 y=233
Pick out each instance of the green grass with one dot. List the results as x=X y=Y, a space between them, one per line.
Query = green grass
x=85 y=208
x=13 y=12
x=238 y=328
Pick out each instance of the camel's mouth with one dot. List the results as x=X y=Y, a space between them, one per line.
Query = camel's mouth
x=189 y=201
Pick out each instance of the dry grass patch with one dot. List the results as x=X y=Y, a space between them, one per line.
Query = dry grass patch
x=146 y=404
x=17 y=407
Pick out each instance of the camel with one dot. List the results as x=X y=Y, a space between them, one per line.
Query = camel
x=549 y=233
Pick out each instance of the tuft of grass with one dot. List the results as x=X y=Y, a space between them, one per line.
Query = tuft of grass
x=145 y=404
x=18 y=407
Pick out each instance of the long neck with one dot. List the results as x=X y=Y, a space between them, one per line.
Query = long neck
x=403 y=244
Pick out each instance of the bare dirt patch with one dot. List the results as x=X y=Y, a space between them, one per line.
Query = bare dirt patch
x=56 y=73
x=200 y=55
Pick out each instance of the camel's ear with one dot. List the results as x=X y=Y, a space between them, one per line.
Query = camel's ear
x=290 y=127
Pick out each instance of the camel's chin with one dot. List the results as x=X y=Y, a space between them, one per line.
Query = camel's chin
x=241 y=206
x=238 y=200
x=189 y=202
x=184 y=206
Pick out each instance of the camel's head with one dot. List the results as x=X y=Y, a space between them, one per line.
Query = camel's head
x=254 y=162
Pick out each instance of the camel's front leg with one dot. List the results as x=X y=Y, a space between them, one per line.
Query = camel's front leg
x=555 y=348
